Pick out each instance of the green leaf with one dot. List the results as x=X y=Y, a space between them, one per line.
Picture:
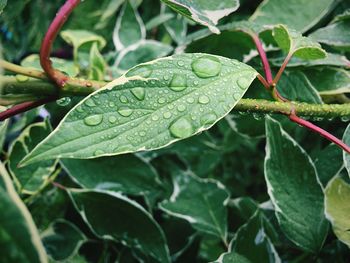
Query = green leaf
x=297 y=45
x=202 y=202
x=81 y=38
x=292 y=184
x=129 y=28
x=108 y=13
x=177 y=28
x=113 y=216
x=31 y=178
x=180 y=98
x=336 y=34
x=295 y=86
x=141 y=52
x=125 y=173
x=62 y=239
x=299 y=14
x=97 y=65
x=232 y=257
x=329 y=162
x=206 y=13
x=19 y=238
x=329 y=81
x=33 y=61
x=346 y=156
x=337 y=205
x=252 y=242
x=3 y=128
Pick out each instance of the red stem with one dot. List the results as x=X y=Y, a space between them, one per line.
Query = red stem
x=319 y=130
x=263 y=57
x=23 y=107
x=282 y=68
x=57 y=76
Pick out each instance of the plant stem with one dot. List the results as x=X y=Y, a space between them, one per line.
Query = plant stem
x=57 y=76
x=29 y=72
x=320 y=131
x=25 y=106
x=263 y=57
x=282 y=68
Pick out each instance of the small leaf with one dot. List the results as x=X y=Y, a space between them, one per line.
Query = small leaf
x=252 y=242
x=141 y=52
x=329 y=81
x=183 y=95
x=129 y=28
x=337 y=205
x=113 y=216
x=346 y=156
x=125 y=173
x=292 y=184
x=79 y=38
x=299 y=14
x=19 y=238
x=202 y=202
x=97 y=65
x=31 y=178
x=206 y=13
x=295 y=44
x=68 y=67
x=62 y=240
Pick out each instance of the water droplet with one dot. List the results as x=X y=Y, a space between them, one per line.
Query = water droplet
x=111 y=104
x=190 y=100
x=206 y=66
x=123 y=99
x=203 y=99
x=125 y=112
x=180 y=63
x=161 y=100
x=236 y=96
x=112 y=119
x=181 y=128
x=178 y=83
x=21 y=78
x=345 y=118
x=208 y=119
x=243 y=83
x=93 y=120
x=155 y=117
x=142 y=133
x=139 y=93
x=181 y=108
x=99 y=152
x=142 y=71
x=63 y=101
x=90 y=102
x=167 y=115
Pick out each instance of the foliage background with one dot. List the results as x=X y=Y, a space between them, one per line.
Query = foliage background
x=201 y=199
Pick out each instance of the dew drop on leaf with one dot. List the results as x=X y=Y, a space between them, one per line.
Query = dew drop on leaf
x=167 y=115
x=181 y=108
x=93 y=120
x=99 y=152
x=123 y=99
x=181 y=128
x=203 y=99
x=90 y=103
x=161 y=100
x=142 y=71
x=243 y=83
x=125 y=112
x=206 y=66
x=21 y=78
x=112 y=119
x=178 y=83
x=139 y=93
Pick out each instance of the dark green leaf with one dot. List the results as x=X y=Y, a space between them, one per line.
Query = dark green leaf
x=113 y=216
x=346 y=156
x=62 y=239
x=291 y=179
x=19 y=238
